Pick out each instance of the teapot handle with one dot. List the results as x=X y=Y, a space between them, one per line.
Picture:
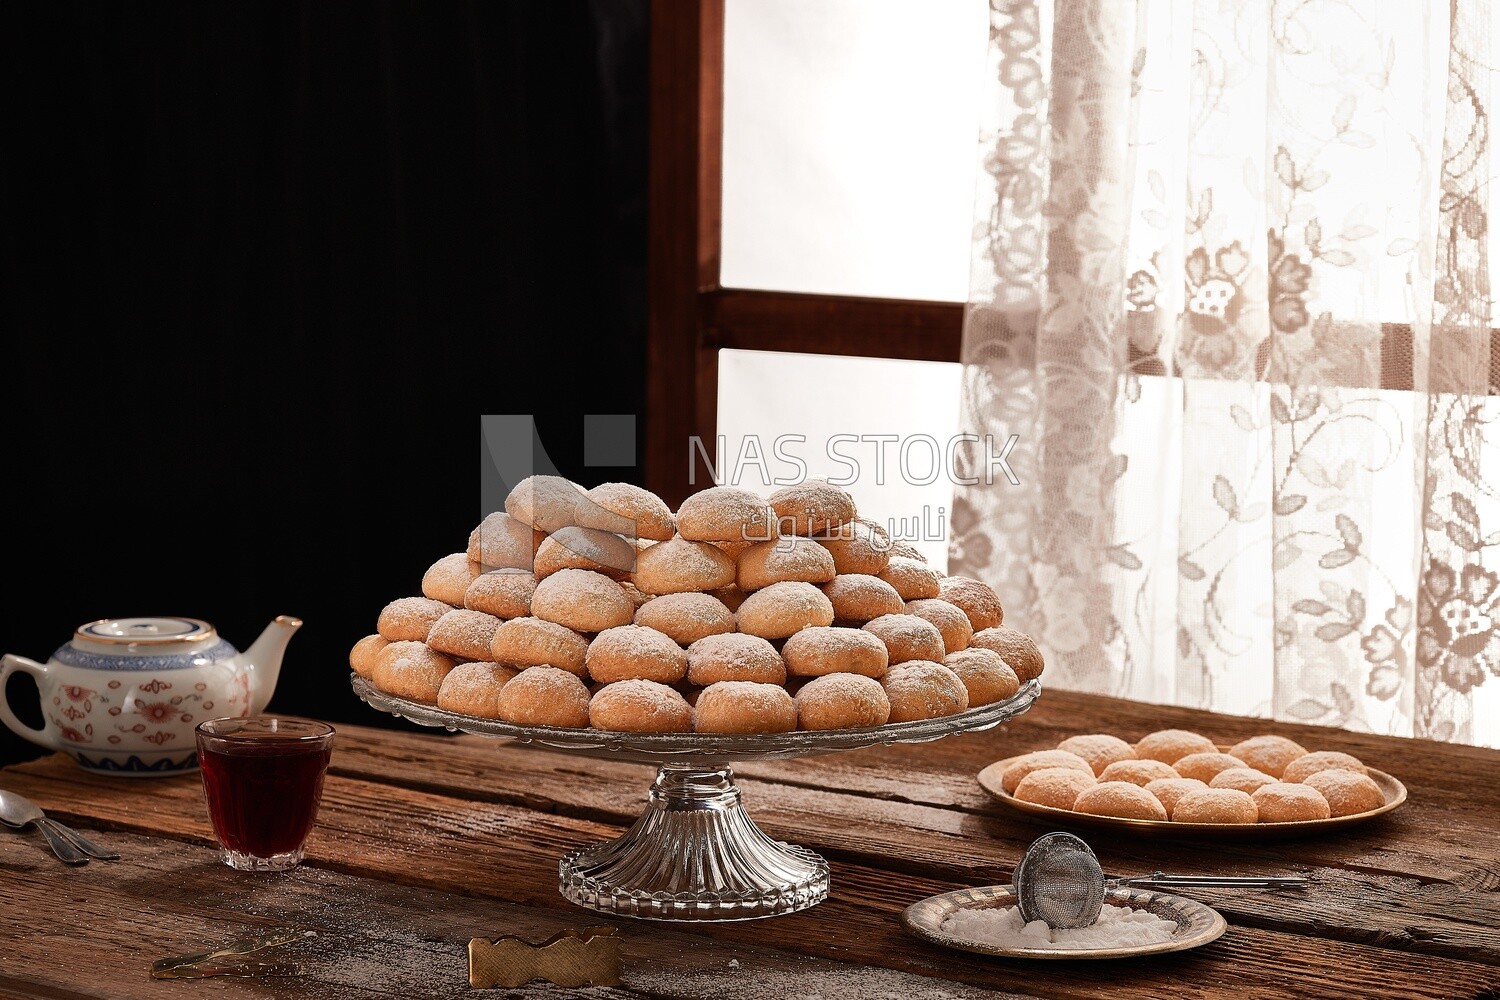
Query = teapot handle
x=8 y=665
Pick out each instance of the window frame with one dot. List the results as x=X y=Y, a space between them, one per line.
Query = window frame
x=691 y=316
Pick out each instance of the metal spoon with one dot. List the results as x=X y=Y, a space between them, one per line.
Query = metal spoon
x=68 y=844
x=1059 y=881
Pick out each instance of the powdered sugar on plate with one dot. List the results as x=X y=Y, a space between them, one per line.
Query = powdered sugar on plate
x=1002 y=926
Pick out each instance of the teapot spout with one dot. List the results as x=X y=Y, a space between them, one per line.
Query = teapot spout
x=263 y=660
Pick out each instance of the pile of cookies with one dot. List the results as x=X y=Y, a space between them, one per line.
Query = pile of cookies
x=1183 y=777
x=737 y=614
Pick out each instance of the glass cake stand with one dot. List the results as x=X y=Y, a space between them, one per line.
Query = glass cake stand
x=695 y=854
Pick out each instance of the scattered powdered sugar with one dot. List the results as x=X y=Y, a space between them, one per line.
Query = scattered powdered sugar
x=1117 y=927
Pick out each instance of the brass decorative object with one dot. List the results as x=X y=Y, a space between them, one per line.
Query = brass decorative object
x=572 y=958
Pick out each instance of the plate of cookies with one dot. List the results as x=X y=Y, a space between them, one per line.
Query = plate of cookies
x=738 y=623
x=1177 y=783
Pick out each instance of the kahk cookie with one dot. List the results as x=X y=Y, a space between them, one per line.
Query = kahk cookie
x=464 y=634
x=857 y=547
x=811 y=508
x=734 y=656
x=640 y=706
x=448 y=579
x=788 y=558
x=502 y=542
x=913 y=580
x=634 y=652
x=686 y=618
x=923 y=690
x=544 y=696
x=502 y=593
x=951 y=621
x=362 y=656
x=581 y=600
x=681 y=565
x=726 y=514
x=827 y=650
x=410 y=670
x=532 y=642
x=474 y=689
x=646 y=511
x=744 y=707
x=977 y=600
x=584 y=548
x=783 y=609
x=409 y=619
x=985 y=675
x=842 y=701
x=908 y=637
x=858 y=598
x=1016 y=648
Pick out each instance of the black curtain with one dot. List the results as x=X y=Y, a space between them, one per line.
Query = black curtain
x=266 y=265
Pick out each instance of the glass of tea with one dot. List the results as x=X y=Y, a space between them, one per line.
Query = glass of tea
x=263 y=777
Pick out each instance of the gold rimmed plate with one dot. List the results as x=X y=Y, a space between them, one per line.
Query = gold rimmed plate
x=1197 y=924
x=1393 y=790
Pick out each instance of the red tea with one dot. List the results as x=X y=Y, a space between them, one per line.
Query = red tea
x=263 y=780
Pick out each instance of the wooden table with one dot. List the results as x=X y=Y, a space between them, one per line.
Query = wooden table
x=425 y=841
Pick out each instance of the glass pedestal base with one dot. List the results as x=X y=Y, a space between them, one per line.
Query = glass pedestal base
x=694 y=854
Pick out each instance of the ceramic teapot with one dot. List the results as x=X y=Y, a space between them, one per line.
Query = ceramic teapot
x=125 y=694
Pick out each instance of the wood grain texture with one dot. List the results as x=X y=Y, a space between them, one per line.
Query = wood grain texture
x=462 y=827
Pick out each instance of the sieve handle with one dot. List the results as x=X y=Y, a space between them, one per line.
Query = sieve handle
x=1165 y=881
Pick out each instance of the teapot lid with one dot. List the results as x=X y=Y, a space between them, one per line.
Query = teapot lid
x=146 y=631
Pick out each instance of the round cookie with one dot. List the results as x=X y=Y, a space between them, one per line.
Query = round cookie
x=474 y=689
x=725 y=514
x=651 y=516
x=1270 y=754
x=913 y=579
x=1099 y=749
x=408 y=669
x=464 y=634
x=859 y=598
x=640 y=706
x=908 y=637
x=686 y=618
x=921 y=689
x=1171 y=745
x=811 y=508
x=985 y=675
x=581 y=600
x=1016 y=648
x=978 y=600
x=787 y=558
x=448 y=579
x=679 y=566
x=1120 y=799
x=502 y=593
x=550 y=503
x=1138 y=772
x=1320 y=760
x=1284 y=802
x=1058 y=787
x=1204 y=766
x=823 y=649
x=842 y=701
x=783 y=609
x=544 y=696
x=1169 y=790
x=572 y=547
x=734 y=656
x=362 y=656
x=1245 y=779
x=1036 y=761
x=1215 y=805
x=1347 y=792
x=532 y=642
x=502 y=542
x=409 y=619
x=744 y=707
x=950 y=620
x=861 y=547
x=634 y=652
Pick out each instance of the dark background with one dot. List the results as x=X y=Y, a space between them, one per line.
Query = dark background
x=265 y=265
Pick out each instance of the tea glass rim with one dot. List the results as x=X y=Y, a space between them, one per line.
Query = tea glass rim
x=320 y=731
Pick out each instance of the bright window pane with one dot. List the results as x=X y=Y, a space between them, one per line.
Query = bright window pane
x=774 y=408
x=851 y=132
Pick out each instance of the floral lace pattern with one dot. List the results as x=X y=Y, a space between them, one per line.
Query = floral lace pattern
x=1231 y=294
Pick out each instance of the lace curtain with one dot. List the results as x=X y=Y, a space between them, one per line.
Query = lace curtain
x=1231 y=294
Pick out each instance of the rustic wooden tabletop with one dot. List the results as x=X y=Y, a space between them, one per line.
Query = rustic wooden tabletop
x=426 y=841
